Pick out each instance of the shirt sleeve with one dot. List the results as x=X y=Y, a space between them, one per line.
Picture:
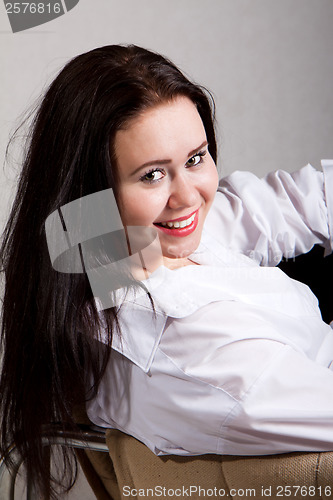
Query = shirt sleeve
x=289 y=408
x=281 y=215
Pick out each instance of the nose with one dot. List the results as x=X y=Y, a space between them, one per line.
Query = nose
x=183 y=193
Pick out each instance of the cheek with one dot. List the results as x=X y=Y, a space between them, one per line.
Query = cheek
x=139 y=207
x=210 y=183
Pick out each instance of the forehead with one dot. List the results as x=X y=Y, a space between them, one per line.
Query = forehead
x=169 y=128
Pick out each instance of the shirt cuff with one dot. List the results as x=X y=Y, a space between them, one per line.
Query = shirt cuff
x=327 y=166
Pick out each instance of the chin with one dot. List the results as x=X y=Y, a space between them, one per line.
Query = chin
x=180 y=251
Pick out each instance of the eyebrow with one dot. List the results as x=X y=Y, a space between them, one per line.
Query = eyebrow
x=166 y=161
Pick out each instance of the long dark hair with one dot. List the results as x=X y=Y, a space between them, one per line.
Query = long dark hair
x=49 y=319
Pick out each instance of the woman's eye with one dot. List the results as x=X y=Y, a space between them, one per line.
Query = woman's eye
x=196 y=159
x=152 y=176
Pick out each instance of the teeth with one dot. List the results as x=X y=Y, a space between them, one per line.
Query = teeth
x=179 y=224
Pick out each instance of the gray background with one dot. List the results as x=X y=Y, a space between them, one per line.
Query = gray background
x=268 y=63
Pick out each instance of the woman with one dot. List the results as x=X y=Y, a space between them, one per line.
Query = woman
x=125 y=119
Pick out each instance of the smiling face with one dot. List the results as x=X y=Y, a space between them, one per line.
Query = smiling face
x=167 y=178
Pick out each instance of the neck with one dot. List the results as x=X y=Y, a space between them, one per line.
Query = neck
x=177 y=263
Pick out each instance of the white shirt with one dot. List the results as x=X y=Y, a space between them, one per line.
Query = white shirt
x=236 y=360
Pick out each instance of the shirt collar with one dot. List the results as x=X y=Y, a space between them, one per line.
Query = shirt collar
x=173 y=296
x=140 y=333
